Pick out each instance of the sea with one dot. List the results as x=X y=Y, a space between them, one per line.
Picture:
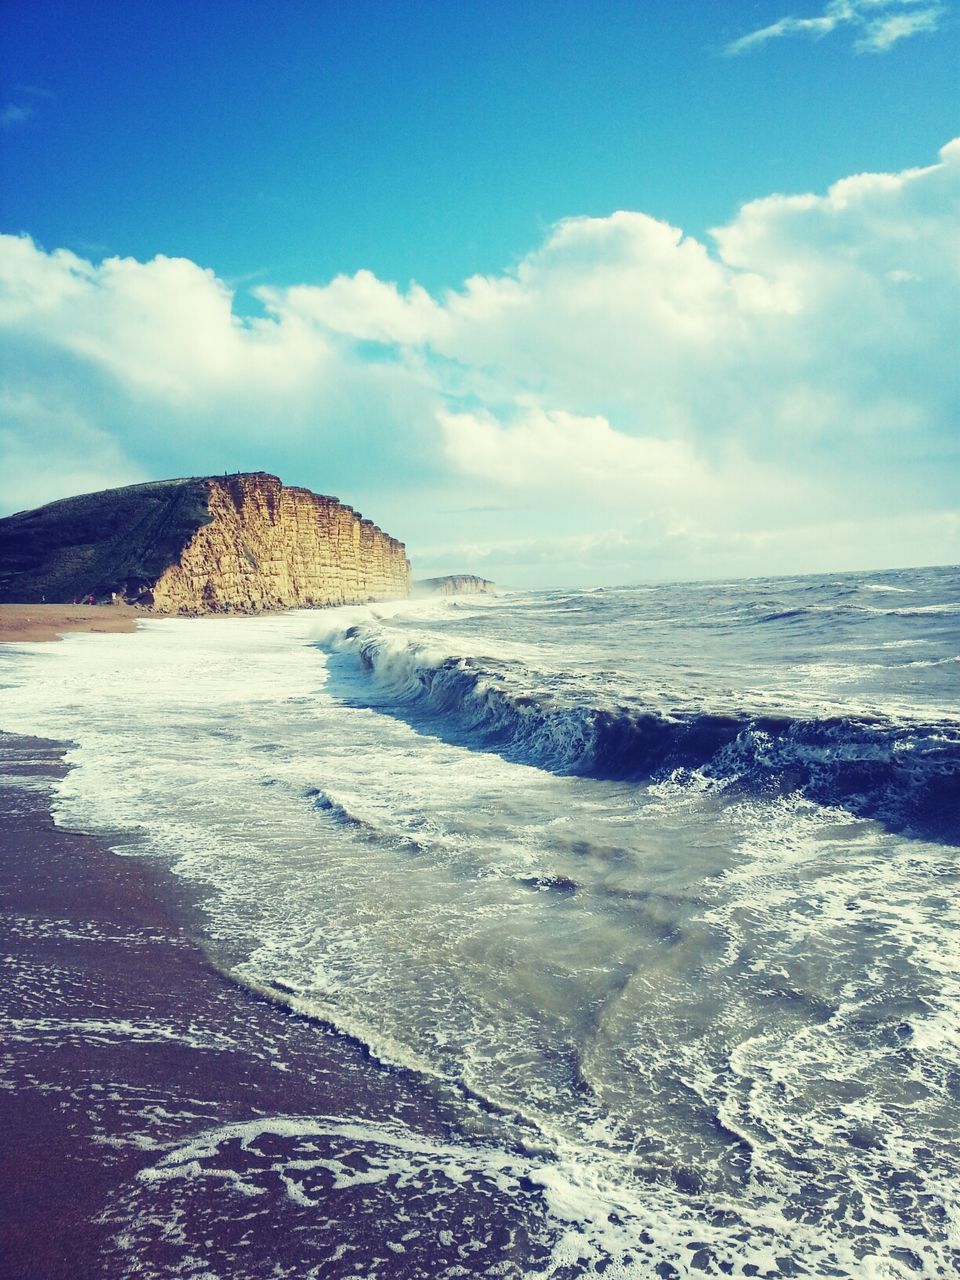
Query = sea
x=654 y=887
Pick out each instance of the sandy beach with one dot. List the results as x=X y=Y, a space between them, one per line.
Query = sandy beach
x=121 y=1044
x=19 y=622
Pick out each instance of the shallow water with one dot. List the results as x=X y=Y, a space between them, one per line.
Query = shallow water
x=660 y=883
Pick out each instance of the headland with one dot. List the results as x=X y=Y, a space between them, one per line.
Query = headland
x=243 y=543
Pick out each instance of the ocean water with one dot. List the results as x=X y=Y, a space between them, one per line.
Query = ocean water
x=656 y=886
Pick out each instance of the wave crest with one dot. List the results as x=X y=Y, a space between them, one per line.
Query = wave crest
x=904 y=774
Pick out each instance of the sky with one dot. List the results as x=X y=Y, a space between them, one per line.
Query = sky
x=557 y=293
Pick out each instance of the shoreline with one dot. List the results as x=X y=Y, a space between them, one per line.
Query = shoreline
x=32 y=622
x=123 y=1044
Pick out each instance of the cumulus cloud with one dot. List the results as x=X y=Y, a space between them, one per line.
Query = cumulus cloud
x=880 y=24
x=40 y=442
x=153 y=356
x=816 y=318
x=559 y=451
x=653 y=398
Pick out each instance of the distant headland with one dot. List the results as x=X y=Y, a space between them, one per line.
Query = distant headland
x=242 y=543
x=454 y=584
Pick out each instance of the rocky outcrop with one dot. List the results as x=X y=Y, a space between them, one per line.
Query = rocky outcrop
x=242 y=543
x=455 y=584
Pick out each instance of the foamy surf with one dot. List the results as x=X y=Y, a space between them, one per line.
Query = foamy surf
x=670 y=927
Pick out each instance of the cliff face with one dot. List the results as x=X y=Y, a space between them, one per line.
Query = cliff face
x=242 y=543
x=455 y=584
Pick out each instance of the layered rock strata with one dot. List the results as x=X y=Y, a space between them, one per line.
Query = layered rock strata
x=455 y=584
x=241 y=543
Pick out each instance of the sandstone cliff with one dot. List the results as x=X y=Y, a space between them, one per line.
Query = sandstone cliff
x=241 y=543
x=455 y=584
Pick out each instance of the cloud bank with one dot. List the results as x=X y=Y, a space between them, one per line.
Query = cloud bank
x=625 y=402
x=880 y=23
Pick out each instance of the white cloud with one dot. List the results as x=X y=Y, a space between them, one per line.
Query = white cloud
x=49 y=451
x=789 y=26
x=883 y=33
x=818 y=315
x=797 y=373
x=359 y=306
x=881 y=24
x=14 y=114
x=560 y=452
x=163 y=328
x=19 y=112
x=153 y=355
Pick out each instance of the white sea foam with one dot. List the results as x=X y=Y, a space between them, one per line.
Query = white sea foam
x=572 y=1215
x=103 y=1030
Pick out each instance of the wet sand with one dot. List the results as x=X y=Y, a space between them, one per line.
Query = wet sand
x=19 y=622
x=119 y=1043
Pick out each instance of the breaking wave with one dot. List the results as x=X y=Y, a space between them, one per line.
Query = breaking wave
x=903 y=773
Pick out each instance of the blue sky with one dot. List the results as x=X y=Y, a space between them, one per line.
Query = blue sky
x=420 y=255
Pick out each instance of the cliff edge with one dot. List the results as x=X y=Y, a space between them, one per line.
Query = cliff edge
x=455 y=584
x=233 y=544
